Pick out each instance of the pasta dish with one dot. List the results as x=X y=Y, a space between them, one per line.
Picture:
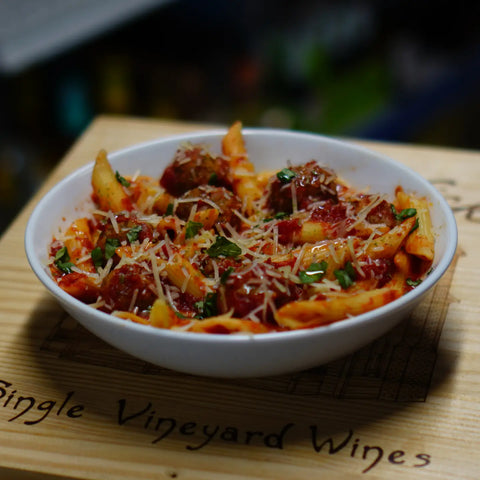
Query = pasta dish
x=213 y=246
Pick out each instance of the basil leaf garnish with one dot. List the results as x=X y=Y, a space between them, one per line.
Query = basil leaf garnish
x=122 y=180
x=192 y=228
x=223 y=247
x=286 y=175
x=314 y=272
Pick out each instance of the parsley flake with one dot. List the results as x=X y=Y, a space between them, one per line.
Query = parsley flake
x=415 y=225
x=208 y=307
x=62 y=260
x=413 y=283
x=192 y=228
x=346 y=277
x=314 y=272
x=223 y=247
x=133 y=233
x=122 y=180
x=224 y=276
x=277 y=216
x=286 y=175
x=169 y=210
x=97 y=256
x=213 y=180
x=111 y=245
x=404 y=214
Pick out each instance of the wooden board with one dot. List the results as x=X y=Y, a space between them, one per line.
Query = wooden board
x=405 y=407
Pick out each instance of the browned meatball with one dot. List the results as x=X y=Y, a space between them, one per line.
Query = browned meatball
x=251 y=291
x=209 y=197
x=306 y=184
x=192 y=167
x=382 y=213
x=128 y=287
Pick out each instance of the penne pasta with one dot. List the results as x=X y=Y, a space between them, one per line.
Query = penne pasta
x=389 y=243
x=313 y=313
x=185 y=276
x=244 y=180
x=421 y=243
x=162 y=315
x=225 y=324
x=215 y=247
x=108 y=191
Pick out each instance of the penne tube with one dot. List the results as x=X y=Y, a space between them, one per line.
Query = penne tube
x=225 y=324
x=388 y=244
x=108 y=192
x=78 y=241
x=398 y=282
x=403 y=262
x=206 y=217
x=162 y=315
x=244 y=180
x=313 y=313
x=149 y=197
x=185 y=276
x=421 y=242
x=264 y=177
x=334 y=252
x=131 y=316
x=312 y=232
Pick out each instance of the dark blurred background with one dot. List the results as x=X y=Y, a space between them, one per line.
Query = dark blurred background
x=403 y=71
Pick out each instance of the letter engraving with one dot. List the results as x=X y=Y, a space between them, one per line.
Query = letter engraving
x=208 y=437
x=379 y=456
x=124 y=419
x=329 y=441
x=275 y=440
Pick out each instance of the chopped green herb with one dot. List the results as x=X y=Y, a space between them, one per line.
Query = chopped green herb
x=62 y=260
x=413 y=283
x=192 y=228
x=286 y=175
x=404 y=214
x=346 y=277
x=122 y=180
x=223 y=247
x=133 y=233
x=169 y=210
x=277 y=216
x=213 y=179
x=224 y=276
x=208 y=307
x=415 y=226
x=62 y=255
x=97 y=256
x=350 y=270
x=314 y=272
x=111 y=245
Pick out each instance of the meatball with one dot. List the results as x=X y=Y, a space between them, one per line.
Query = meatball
x=382 y=213
x=250 y=292
x=192 y=167
x=128 y=288
x=309 y=183
x=209 y=196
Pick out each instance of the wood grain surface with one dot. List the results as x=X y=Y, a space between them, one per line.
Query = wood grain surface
x=404 y=407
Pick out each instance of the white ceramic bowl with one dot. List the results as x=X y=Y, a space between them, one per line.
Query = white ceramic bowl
x=242 y=355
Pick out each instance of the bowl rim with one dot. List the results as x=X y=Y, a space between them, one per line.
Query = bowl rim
x=259 y=338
